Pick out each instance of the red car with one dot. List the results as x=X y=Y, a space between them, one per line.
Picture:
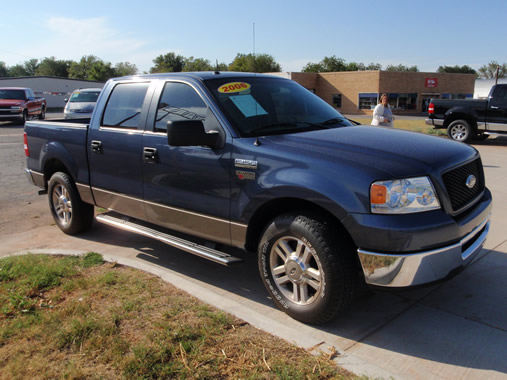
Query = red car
x=20 y=104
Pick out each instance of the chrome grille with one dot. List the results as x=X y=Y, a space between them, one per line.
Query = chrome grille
x=455 y=181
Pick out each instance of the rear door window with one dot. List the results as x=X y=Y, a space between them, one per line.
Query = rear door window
x=123 y=109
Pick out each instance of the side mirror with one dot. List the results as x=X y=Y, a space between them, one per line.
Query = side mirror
x=190 y=133
x=65 y=100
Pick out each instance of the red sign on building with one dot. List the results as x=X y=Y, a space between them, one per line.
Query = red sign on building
x=430 y=82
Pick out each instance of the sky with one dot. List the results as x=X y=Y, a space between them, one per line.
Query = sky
x=425 y=33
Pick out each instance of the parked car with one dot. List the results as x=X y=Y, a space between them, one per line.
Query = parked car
x=81 y=103
x=20 y=104
x=206 y=160
x=466 y=120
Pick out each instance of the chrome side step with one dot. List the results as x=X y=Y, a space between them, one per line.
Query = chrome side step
x=185 y=245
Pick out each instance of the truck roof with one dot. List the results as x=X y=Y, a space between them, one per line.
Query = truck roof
x=200 y=75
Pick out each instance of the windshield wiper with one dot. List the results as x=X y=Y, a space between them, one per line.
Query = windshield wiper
x=294 y=125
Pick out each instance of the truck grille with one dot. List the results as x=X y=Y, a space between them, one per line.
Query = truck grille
x=455 y=182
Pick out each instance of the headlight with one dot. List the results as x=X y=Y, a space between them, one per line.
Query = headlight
x=403 y=196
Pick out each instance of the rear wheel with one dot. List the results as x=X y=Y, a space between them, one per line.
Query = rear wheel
x=460 y=130
x=69 y=212
x=308 y=271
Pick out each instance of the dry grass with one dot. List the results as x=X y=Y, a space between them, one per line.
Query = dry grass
x=414 y=125
x=75 y=318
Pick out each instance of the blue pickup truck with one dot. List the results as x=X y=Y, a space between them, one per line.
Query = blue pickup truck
x=202 y=161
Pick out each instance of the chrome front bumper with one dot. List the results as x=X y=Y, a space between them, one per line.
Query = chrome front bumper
x=395 y=270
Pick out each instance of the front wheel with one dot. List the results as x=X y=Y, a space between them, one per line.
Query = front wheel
x=460 y=130
x=42 y=114
x=69 y=212
x=309 y=272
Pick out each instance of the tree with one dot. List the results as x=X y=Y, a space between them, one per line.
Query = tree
x=54 y=68
x=401 y=67
x=465 y=69
x=260 y=63
x=91 y=68
x=122 y=69
x=374 y=66
x=327 y=65
x=489 y=71
x=168 y=63
x=31 y=66
x=4 y=70
x=197 y=64
x=17 y=71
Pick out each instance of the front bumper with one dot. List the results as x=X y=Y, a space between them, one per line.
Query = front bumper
x=403 y=270
x=11 y=116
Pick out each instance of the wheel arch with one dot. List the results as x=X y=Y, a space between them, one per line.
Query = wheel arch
x=275 y=207
x=461 y=116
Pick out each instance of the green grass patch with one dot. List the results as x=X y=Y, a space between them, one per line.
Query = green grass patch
x=78 y=317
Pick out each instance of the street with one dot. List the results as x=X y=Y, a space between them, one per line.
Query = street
x=456 y=329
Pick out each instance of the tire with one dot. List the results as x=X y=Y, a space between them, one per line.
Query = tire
x=308 y=272
x=69 y=212
x=460 y=130
x=25 y=118
x=42 y=115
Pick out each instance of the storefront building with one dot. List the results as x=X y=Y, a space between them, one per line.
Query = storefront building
x=357 y=92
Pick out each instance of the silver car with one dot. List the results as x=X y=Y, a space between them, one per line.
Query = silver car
x=81 y=103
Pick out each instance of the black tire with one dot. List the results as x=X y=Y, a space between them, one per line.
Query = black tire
x=308 y=270
x=25 y=118
x=460 y=130
x=42 y=115
x=69 y=212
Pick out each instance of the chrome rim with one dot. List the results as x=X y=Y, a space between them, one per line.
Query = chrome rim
x=62 y=204
x=458 y=132
x=296 y=270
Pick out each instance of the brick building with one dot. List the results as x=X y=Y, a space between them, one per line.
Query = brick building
x=357 y=92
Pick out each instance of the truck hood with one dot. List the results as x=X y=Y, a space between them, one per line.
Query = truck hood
x=396 y=153
x=10 y=102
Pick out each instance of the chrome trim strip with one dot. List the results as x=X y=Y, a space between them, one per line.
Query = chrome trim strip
x=85 y=192
x=185 y=245
x=497 y=127
x=402 y=270
x=122 y=130
x=65 y=124
x=35 y=178
x=494 y=133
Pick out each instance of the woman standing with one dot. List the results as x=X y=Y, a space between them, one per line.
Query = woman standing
x=382 y=114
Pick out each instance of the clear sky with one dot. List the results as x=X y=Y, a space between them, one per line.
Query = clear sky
x=424 y=33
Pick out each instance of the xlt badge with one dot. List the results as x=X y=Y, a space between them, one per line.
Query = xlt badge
x=247 y=164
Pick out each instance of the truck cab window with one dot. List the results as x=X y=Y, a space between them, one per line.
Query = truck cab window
x=124 y=106
x=179 y=101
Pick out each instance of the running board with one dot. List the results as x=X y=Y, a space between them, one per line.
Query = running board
x=185 y=245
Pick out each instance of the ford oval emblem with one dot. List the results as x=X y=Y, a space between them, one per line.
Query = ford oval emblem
x=471 y=181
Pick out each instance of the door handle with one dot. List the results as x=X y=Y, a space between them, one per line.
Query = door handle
x=493 y=107
x=150 y=154
x=96 y=146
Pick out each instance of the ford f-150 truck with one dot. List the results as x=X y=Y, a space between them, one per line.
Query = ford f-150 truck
x=20 y=104
x=469 y=119
x=202 y=161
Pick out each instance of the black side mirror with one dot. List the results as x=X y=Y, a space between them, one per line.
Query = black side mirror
x=190 y=133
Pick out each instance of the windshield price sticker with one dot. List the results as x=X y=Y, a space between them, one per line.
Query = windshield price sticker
x=233 y=87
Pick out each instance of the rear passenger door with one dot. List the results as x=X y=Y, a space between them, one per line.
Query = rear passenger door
x=115 y=149
x=186 y=188
x=497 y=112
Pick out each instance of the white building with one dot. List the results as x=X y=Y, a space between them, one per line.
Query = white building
x=54 y=89
x=482 y=87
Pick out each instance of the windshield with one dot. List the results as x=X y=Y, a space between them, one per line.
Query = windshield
x=259 y=106
x=84 y=97
x=12 y=94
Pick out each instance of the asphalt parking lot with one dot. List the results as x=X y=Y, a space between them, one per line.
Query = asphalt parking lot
x=457 y=329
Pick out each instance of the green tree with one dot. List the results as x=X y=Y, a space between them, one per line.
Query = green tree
x=4 y=70
x=168 y=63
x=465 y=69
x=122 y=69
x=489 y=71
x=18 y=71
x=373 y=66
x=260 y=63
x=401 y=67
x=91 y=68
x=197 y=64
x=31 y=66
x=54 y=68
x=327 y=65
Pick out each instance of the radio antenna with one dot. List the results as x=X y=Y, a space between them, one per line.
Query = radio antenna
x=253 y=37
